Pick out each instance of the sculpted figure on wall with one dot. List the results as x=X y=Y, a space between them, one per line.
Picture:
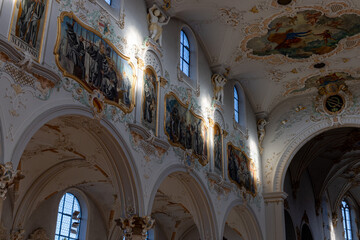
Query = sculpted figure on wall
x=156 y=20
x=261 y=132
x=219 y=82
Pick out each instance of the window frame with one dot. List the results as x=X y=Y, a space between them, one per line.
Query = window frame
x=184 y=48
x=347 y=223
x=58 y=234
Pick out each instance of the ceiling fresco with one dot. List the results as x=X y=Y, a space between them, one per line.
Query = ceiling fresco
x=321 y=81
x=274 y=46
x=304 y=34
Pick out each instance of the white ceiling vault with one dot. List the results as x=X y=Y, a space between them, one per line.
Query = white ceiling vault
x=226 y=30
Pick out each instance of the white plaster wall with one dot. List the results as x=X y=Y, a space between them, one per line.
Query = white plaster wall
x=17 y=133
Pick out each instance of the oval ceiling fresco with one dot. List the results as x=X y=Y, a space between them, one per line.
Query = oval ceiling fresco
x=304 y=34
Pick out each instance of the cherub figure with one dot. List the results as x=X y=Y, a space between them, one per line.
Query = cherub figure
x=219 y=81
x=156 y=21
x=261 y=132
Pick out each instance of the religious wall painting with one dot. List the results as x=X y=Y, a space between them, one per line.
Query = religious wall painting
x=149 y=102
x=218 y=149
x=304 y=34
x=82 y=54
x=320 y=81
x=185 y=129
x=28 y=25
x=241 y=169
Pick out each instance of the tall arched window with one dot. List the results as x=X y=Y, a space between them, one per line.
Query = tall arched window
x=236 y=105
x=108 y=2
x=69 y=217
x=345 y=210
x=184 y=53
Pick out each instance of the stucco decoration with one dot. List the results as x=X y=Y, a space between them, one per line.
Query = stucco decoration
x=17 y=234
x=82 y=54
x=152 y=59
x=135 y=227
x=8 y=177
x=39 y=234
x=156 y=20
x=28 y=26
x=319 y=80
x=145 y=141
x=304 y=34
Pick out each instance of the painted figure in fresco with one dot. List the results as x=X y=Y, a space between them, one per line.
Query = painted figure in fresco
x=174 y=124
x=149 y=92
x=126 y=86
x=75 y=51
x=110 y=78
x=233 y=164
x=285 y=40
x=182 y=131
x=156 y=21
x=218 y=150
x=29 y=21
x=97 y=55
x=325 y=35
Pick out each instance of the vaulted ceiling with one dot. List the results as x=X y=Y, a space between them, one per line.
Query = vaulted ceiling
x=331 y=160
x=272 y=45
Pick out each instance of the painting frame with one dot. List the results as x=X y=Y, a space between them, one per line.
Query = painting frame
x=249 y=160
x=217 y=125
x=16 y=41
x=71 y=15
x=157 y=87
x=202 y=161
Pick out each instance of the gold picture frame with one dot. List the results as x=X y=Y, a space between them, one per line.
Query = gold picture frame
x=26 y=33
x=143 y=99
x=122 y=62
x=251 y=189
x=179 y=142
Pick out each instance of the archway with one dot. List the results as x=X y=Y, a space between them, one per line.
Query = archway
x=306 y=233
x=76 y=152
x=180 y=207
x=241 y=223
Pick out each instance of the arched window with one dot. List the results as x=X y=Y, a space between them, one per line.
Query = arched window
x=108 y=2
x=236 y=105
x=345 y=210
x=184 y=53
x=69 y=218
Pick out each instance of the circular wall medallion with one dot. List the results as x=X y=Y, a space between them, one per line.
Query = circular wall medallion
x=334 y=104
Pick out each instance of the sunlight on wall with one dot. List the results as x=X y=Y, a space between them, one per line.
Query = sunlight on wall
x=254 y=155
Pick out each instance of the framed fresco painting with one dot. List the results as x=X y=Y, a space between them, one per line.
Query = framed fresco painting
x=241 y=169
x=149 y=100
x=83 y=55
x=185 y=129
x=27 y=27
x=218 y=149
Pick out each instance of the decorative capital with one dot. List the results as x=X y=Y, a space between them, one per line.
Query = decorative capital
x=135 y=226
x=274 y=197
x=8 y=176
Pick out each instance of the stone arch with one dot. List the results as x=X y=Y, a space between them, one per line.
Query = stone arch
x=280 y=168
x=119 y=157
x=249 y=226
x=203 y=214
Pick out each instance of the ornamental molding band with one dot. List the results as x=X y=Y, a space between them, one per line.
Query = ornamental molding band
x=8 y=177
x=303 y=34
x=82 y=54
x=185 y=129
x=23 y=62
x=134 y=227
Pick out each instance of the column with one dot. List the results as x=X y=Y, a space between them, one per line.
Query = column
x=274 y=215
x=134 y=227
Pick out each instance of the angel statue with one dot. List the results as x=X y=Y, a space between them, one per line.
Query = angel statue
x=156 y=20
